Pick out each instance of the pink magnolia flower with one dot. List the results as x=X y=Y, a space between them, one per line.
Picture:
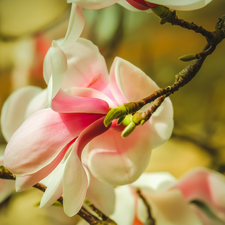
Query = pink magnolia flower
x=172 y=201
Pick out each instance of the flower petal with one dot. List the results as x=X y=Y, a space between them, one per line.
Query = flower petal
x=182 y=5
x=161 y=124
x=86 y=66
x=14 y=109
x=66 y=103
x=126 y=80
x=75 y=184
x=101 y=195
x=27 y=181
x=54 y=189
x=125 y=158
x=7 y=187
x=126 y=5
x=75 y=27
x=90 y=4
x=41 y=137
x=205 y=185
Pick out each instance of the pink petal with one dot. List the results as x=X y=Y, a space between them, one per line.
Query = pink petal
x=86 y=66
x=126 y=80
x=125 y=158
x=182 y=5
x=14 y=109
x=74 y=185
x=92 y=93
x=205 y=185
x=27 y=181
x=66 y=103
x=7 y=187
x=95 y=129
x=41 y=138
x=90 y=4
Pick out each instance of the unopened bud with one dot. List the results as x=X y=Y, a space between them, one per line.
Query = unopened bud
x=129 y=129
x=187 y=58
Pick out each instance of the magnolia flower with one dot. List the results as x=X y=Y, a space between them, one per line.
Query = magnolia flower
x=172 y=201
x=80 y=93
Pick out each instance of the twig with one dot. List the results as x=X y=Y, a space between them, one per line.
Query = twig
x=150 y=219
x=91 y=219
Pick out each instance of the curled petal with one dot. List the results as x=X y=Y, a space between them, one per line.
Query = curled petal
x=14 y=109
x=182 y=5
x=126 y=5
x=59 y=67
x=41 y=137
x=126 y=80
x=125 y=158
x=90 y=4
x=75 y=27
x=66 y=103
x=75 y=184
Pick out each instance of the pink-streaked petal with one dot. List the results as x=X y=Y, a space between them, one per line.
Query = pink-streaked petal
x=182 y=5
x=126 y=80
x=90 y=4
x=86 y=66
x=75 y=27
x=75 y=184
x=59 y=67
x=41 y=137
x=125 y=158
x=95 y=129
x=97 y=194
x=204 y=185
x=54 y=189
x=92 y=93
x=161 y=124
x=27 y=181
x=14 y=109
x=39 y=102
x=66 y=103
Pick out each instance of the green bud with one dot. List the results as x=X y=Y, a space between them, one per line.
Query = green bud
x=129 y=129
x=115 y=113
x=127 y=120
x=160 y=10
x=187 y=58
x=142 y=122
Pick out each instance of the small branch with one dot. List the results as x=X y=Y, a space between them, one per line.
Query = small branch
x=150 y=219
x=168 y=16
x=91 y=219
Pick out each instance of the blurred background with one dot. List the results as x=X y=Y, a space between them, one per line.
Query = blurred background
x=27 y=29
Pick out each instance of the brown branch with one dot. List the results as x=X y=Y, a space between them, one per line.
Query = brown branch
x=168 y=16
x=150 y=219
x=91 y=219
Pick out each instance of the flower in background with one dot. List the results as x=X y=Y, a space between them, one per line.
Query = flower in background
x=197 y=198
